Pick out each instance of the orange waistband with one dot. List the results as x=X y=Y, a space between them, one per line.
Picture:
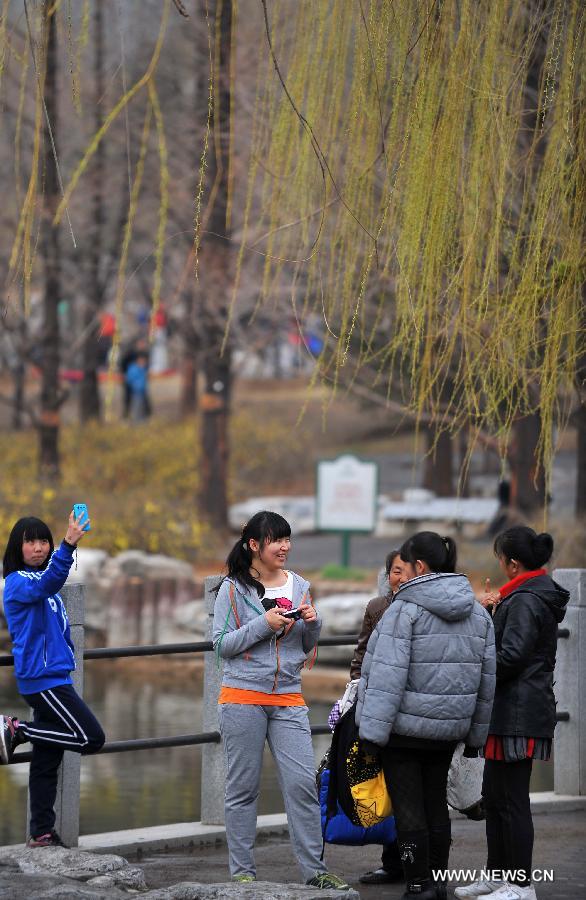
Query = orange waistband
x=258 y=698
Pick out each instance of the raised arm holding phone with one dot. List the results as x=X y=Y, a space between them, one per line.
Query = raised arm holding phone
x=34 y=574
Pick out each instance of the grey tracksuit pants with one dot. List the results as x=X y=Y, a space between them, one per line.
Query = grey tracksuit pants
x=244 y=730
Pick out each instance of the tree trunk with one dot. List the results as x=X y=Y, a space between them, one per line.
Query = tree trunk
x=580 y=419
x=90 y=405
x=213 y=294
x=527 y=488
x=438 y=465
x=189 y=372
x=50 y=401
x=465 y=464
x=189 y=366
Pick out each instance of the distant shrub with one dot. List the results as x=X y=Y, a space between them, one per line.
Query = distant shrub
x=140 y=482
x=337 y=572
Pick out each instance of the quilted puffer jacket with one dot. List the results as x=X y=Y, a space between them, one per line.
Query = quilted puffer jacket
x=429 y=668
x=525 y=626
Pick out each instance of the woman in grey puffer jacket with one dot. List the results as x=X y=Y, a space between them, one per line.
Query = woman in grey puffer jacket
x=427 y=682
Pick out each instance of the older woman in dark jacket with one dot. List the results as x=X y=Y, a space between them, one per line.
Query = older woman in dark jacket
x=529 y=608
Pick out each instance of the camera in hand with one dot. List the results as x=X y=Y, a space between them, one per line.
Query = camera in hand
x=293 y=614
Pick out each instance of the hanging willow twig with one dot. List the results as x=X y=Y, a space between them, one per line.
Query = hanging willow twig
x=475 y=208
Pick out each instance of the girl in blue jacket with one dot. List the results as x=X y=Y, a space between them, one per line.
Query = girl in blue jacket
x=43 y=660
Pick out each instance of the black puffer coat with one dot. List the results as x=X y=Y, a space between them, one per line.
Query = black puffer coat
x=525 y=630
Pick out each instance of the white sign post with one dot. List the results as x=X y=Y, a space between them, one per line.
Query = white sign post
x=347 y=489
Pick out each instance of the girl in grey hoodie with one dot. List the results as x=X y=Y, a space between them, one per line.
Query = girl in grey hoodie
x=265 y=625
x=427 y=682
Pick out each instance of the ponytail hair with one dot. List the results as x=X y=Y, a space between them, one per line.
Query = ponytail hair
x=523 y=544
x=263 y=527
x=440 y=553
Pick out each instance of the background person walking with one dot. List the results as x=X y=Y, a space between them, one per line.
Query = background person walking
x=43 y=660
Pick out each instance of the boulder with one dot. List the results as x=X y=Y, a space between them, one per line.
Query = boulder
x=341 y=614
x=255 y=890
x=53 y=865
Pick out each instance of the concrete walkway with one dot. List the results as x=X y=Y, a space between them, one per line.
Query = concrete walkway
x=559 y=845
x=165 y=862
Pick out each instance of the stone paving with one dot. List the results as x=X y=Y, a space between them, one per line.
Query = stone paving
x=559 y=844
x=200 y=873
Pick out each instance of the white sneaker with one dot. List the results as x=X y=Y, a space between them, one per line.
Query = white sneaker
x=480 y=888
x=513 y=892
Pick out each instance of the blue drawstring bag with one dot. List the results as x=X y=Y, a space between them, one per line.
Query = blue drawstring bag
x=337 y=827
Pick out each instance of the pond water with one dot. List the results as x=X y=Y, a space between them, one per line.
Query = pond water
x=149 y=787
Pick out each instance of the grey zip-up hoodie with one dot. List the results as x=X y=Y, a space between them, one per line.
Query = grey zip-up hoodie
x=429 y=668
x=255 y=657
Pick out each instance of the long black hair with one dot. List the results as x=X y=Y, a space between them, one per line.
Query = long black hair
x=27 y=529
x=532 y=550
x=438 y=552
x=263 y=527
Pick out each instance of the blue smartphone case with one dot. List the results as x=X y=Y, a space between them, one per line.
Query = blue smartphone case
x=80 y=511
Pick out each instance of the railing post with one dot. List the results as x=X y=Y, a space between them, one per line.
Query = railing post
x=570 y=688
x=212 y=758
x=67 y=803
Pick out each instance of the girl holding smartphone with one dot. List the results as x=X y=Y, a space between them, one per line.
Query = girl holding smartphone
x=43 y=661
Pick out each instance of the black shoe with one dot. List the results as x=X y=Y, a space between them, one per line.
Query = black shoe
x=382 y=876
x=476 y=812
x=420 y=890
x=50 y=839
x=9 y=738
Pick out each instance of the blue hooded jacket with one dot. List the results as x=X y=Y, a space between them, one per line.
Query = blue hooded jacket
x=38 y=624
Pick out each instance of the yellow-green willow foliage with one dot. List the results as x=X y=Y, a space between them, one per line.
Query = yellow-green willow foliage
x=421 y=167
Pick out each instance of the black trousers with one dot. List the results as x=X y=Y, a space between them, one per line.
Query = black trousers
x=417 y=782
x=61 y=721
x=509 y=825
x=391 y=858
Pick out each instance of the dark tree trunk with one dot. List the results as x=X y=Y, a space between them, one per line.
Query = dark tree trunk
x=50 y=399
x=19 y=373
x=527 y=486
x=18 y=376
x=580 y=420
x=90 y=406
x=464 y=463
x=213 y=295
x=438 y=465
x=189 y=365
x=189 y=372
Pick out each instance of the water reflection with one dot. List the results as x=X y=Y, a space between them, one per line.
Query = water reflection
x=132 y=790
x=149 y=787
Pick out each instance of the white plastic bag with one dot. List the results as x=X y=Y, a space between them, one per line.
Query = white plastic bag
x=464 y=780
x=349 y=696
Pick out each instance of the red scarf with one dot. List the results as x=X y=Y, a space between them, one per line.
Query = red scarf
x=512 y=585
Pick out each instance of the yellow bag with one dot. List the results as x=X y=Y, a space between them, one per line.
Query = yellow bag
x=368 y=787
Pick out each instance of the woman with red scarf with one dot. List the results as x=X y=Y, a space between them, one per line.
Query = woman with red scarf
x=527 y=611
